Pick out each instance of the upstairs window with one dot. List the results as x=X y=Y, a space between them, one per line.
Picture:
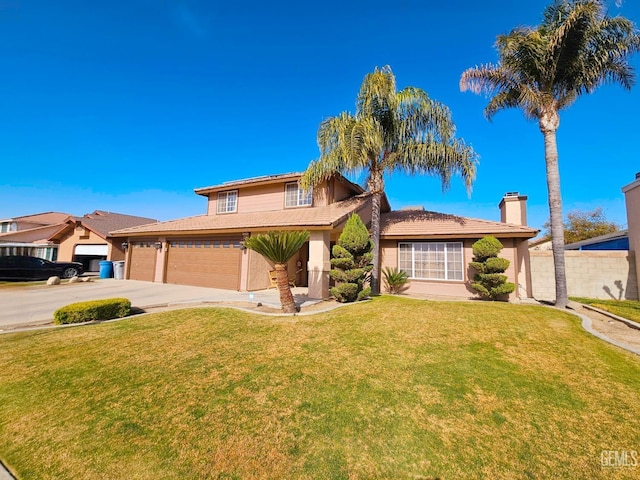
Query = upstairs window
x=228 y=201
x=294 y=196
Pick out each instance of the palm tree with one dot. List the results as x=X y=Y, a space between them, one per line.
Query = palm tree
x=390 y=131
x=544 y=69
x=279 y=247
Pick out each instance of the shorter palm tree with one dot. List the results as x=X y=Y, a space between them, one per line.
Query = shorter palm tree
x=279 y=247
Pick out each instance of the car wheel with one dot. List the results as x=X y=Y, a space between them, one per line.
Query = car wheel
x=70 y=272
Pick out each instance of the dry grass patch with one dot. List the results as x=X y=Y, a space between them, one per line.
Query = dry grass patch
x=392 y=388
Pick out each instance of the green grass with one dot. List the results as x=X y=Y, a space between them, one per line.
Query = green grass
x=629 y=309
x=392 y=388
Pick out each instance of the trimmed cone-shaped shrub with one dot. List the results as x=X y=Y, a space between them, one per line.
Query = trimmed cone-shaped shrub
x=489 y=281
x=351 y=262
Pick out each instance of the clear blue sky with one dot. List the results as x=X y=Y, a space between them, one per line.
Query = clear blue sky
x=128 y=106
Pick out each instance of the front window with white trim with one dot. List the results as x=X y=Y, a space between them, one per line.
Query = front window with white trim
x=431 y=260
x=294 y=196
x=227 y=202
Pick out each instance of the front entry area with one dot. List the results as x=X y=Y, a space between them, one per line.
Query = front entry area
x=211 y=262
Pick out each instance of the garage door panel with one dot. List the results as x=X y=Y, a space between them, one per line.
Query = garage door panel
x=213 y=262
x=143 y=261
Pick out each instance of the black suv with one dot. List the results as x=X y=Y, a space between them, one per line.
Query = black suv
x=34 y=268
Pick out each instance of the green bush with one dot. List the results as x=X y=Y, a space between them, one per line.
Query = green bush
x=485 y=248
x=351 y=262
x=345 y=292
x=395 y=280
x=80 y=312
x=489 y=281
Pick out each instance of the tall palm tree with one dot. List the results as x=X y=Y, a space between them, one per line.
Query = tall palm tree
x=390 y=131
x=544 y=69
x=279 y=247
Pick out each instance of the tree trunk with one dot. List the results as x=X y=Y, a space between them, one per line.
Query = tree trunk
x=375 y=236
x=286 y=297
x=548 y=126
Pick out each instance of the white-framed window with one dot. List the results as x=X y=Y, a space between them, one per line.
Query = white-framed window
x=294 y=196
x=227 y=201
x=432 y=260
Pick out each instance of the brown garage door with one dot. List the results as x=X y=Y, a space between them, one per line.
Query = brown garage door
x=210 y=262
x=143 y=260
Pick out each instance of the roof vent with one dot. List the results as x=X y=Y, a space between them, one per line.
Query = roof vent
x=512 y=194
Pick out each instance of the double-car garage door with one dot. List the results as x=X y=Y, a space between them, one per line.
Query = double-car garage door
x=208 y=262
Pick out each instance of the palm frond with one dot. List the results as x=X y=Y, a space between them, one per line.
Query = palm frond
x=277 y=246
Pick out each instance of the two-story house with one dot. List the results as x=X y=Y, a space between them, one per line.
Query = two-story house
x=206 y=250
x=29 y=234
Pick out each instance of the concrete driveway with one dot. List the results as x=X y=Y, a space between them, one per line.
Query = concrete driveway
x=34 y=305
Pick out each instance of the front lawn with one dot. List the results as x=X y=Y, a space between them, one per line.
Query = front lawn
x=392 y=388
x=629 y=309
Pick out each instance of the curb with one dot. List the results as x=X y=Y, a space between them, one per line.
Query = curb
x=587 y=325
x=4 y=473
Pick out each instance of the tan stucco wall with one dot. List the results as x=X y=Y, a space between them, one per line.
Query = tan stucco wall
x=77 y=236
x=259 y=267
x=461 y=289
x=632 y=200
x=81 y=236
x=605 y=274
x=271 y=197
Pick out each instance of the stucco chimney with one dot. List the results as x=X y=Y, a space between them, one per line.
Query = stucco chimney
x=513 y=208
x=632 y=201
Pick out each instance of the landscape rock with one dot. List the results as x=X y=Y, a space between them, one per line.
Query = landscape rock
x=86 y=279
x=53 y=281
x=74 y=279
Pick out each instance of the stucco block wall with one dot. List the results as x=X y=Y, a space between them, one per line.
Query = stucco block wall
x=594 y=274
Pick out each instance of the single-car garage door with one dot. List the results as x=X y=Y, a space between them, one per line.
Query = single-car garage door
x=143 y=260
x=210 y=262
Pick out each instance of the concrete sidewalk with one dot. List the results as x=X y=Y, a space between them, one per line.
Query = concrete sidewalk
x=34 y=305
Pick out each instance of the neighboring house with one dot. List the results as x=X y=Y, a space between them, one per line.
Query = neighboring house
x=543 y=243
x=207 y=250
x=86 y=239
x=610 y=241
x=29 y=234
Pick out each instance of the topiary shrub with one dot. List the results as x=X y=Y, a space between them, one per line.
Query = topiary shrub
x=395 y=280
x=489 y=281
x=351 y=262
x=80 y=312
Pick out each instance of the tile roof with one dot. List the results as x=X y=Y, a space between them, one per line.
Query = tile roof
x=45 y=218
x=37 y=234
x=104 y=222
x=327 y=216
x=420 y=223
x=267 y=179
x=249 y=181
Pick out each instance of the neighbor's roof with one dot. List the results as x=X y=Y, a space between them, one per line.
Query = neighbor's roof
x=102 y=222
x=599 y=239
x=425 y=224
x=45 y=218
x=36 y=234
x=325 y=217
x=266 y=180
